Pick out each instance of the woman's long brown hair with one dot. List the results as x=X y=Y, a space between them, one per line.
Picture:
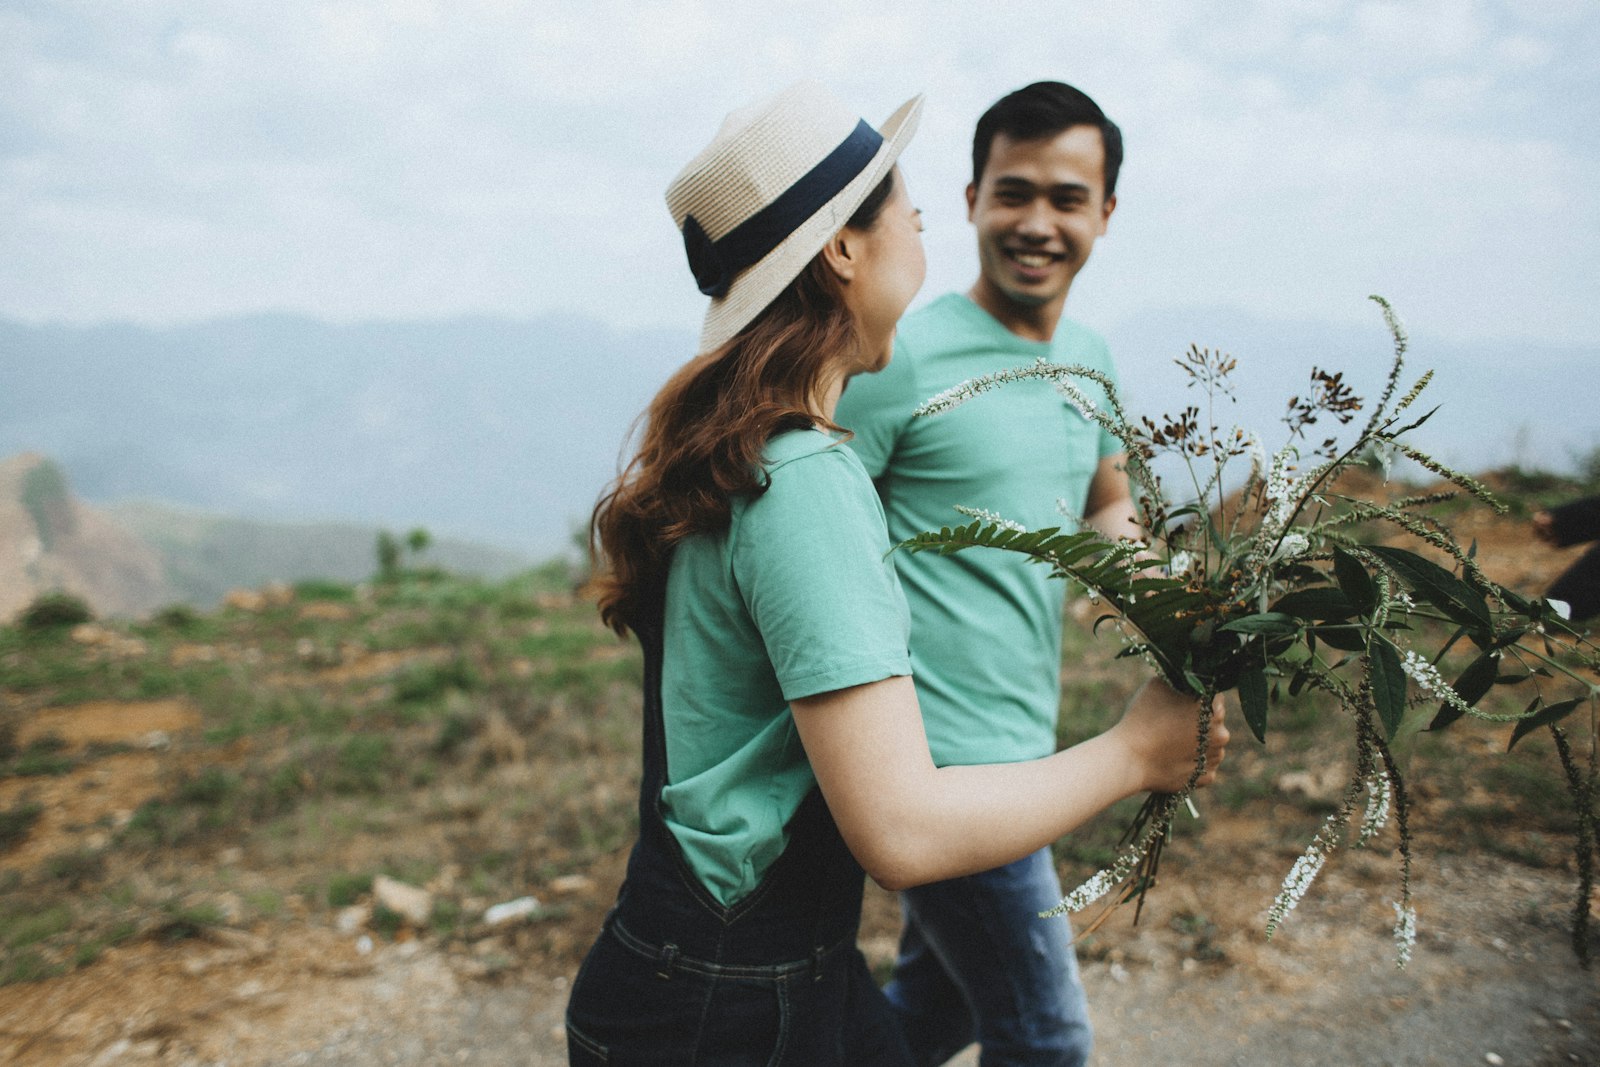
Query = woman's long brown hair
x=706 y=429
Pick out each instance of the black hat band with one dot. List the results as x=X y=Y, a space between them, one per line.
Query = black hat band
x=714 y=263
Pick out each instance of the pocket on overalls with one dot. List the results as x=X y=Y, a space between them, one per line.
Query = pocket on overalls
x=624 y=1011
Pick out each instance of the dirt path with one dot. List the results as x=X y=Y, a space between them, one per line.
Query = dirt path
x=1492 y=981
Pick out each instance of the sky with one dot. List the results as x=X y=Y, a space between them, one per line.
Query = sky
x=170 y=161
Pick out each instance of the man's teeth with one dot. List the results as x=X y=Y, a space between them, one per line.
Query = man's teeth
x=1032 y=259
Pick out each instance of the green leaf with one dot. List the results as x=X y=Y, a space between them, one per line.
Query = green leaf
x=1253 y=700
x=1274 y=623
x=1473 y=683
x=1216 y=537
x=1439 y=587
x=1324 y=604
x=1388 y=683
x=1295 y=655
x=1553 y=713
x=1354 y=581
x=1344 y=638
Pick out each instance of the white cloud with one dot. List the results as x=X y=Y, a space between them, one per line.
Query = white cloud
x=175 y=160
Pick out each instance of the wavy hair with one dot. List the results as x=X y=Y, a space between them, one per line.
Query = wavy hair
x=706 y=429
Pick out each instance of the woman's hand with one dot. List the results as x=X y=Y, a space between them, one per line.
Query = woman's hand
x=1160 y=729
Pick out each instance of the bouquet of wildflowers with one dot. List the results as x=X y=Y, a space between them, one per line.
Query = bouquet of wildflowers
x=1271 y=588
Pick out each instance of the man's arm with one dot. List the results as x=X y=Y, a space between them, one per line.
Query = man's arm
x=1109 y=507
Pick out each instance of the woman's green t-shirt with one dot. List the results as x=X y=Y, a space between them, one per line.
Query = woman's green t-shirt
x=793 y=599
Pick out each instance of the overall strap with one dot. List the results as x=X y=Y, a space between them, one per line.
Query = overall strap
x=654 y=776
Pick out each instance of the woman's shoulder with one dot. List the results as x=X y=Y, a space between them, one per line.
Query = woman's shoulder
x=810 y=453
x=810 y=475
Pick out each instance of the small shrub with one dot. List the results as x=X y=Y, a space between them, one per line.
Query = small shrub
x=210 y=788
x=155 y=823
x=19 y=929
x=324 y=589
x=446 y=917
x=386 y=921
x=362 y=765
x=184 y=922
x=345 y=889
x=265 y=902
x=428 y=682
x=76 y=867
x=16 y=823
x=42 y=757
x=455 y=731
x=178 y=617
x=54 y=611
x=27 y=966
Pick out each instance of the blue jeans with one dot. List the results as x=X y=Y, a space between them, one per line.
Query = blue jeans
x=978 y=964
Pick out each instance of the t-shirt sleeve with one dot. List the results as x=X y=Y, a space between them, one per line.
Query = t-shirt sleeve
x=809 y=561
x=876 y=408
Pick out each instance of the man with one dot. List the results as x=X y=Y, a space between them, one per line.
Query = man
x=976 y=963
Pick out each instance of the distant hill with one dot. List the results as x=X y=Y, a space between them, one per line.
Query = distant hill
x=203 y=556
x=49 y=540
x=131 y=558
x=491 y=430
x=504 y=432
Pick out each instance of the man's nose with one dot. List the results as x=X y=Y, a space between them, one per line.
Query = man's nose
x=1034 y=225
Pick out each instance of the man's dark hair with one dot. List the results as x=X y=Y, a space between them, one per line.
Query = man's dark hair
x=1043 y=110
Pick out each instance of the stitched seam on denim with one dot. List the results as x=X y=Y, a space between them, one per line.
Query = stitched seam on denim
x=587 y=1043
x=686 y=875
x=783 y=1025
x=700 y=1025
x=707 y=969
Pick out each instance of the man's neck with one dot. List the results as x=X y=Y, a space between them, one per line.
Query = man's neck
x=1031 y=322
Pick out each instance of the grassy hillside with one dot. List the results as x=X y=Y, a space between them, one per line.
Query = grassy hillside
x=206 y=555
x=258 y=766
x=200 y=773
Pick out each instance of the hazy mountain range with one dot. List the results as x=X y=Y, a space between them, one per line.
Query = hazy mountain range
x=134 y=557
x=504 y=431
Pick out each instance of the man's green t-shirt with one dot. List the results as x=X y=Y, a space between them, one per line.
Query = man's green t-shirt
x=986 y=625
x=794 y=598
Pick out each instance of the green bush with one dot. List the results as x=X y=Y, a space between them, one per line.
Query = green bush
x=362 y=765
x=42 y=757
x=55 y=611
x=184 y=922
x=179 y=617
x=426 y=682
x=324 y=589
x=208 y=789
x=345 y=889
x=16 y=823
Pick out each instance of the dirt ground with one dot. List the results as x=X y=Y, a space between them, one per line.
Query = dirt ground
x=1493 y=980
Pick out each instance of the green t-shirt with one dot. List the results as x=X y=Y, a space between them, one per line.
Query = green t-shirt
x=986 y=625
x=795 y=598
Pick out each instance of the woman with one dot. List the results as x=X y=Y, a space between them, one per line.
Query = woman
x=746 y=548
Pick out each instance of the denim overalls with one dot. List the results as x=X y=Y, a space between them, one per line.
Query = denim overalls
x=676 y=978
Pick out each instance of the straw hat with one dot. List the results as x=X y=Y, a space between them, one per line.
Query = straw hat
x=780 y=178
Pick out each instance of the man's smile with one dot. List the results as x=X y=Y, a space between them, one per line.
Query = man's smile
x=1033 y=260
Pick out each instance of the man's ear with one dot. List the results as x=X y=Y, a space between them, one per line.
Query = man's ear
x=972 y=199
x=840 y=255
x=1105 y=213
